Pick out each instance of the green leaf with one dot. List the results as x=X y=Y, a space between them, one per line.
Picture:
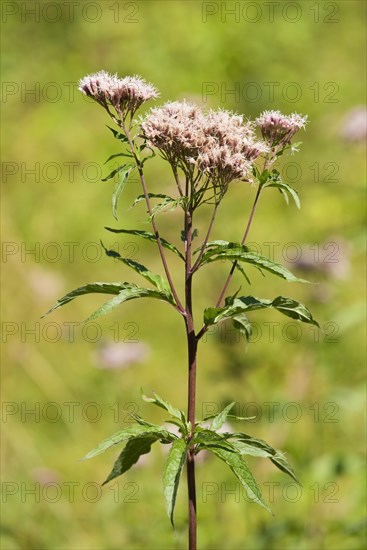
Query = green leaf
x=220 y=418
x=118 y=135
x=92 y=288
x=130 y=293
x=237 y=252
x=241 y=270
x=206 y=439
x=172 y=473
x=150 y=237
x=157 y=280
x=168 y=203
x=123 y=172
x=287 y=189
x=281 y=462
x=243 y=473
x=242 y=324
x=287 y=306
x=123 y=292
x=264 y=176
x=118 y=155
x=163 y=404
x=130 y=455
x=131 y=432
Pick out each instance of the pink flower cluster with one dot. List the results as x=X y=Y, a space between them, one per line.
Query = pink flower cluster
x=278 y=129
x=220 y=145
x=126 y=95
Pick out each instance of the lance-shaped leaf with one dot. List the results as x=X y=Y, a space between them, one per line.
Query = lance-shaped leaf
x=92 y=288
x=243 y=325
x=282 y=463
x=130 y=294
x=163 y=404
x=123 y=292
x=168 y=203
x=150 y=237
x=206 y=439
x=237 y=252
x=246 y=444
x=131 y=453
x=137 y=430
x=220 y=418
x=287 y=306
x=284 y=188
x=157 y=280
x=243 y=474
x=118 y=135
x=172 y=473
x=123 y=172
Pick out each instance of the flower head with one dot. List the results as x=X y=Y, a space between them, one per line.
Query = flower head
x=126 y=95
x=277 y=128
x=175 y=129
x=220 y=145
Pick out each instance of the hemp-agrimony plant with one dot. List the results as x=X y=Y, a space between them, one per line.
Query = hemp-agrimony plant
x=207 y=153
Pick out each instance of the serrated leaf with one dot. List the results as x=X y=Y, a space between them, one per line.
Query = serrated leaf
x=172 y=473
x=281 y=462
x=127 y=294
x=92 y=288
x=240 y=253
x=150 y=237
x=137 y=430
x=220 y=418
x=246 y=449
x=243 y=474
x=287 y=306
x=130 y=455
x=207 y=439
x=157 y=280
x=163 y=404
x=168 y=203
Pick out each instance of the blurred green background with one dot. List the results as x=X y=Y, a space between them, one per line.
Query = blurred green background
x=305 y=388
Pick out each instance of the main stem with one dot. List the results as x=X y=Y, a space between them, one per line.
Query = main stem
x=192 y=344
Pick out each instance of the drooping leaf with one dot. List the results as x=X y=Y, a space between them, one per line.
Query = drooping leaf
x=240 y=253
x=123 y=292
x=287 y=306
x=92 y=288
x=287 y=189
x=243 y=325
x=172 y=473
x=131 y=453
x=241 y=270
x=243 y=474
x=130 y=294
x=123 y=173
x=150 y=237
x=168 y=203
x=220 y=418
x=157 y=280
x=137 y=430
x=281 y=462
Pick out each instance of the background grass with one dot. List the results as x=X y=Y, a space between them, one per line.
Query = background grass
x=306 y=390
